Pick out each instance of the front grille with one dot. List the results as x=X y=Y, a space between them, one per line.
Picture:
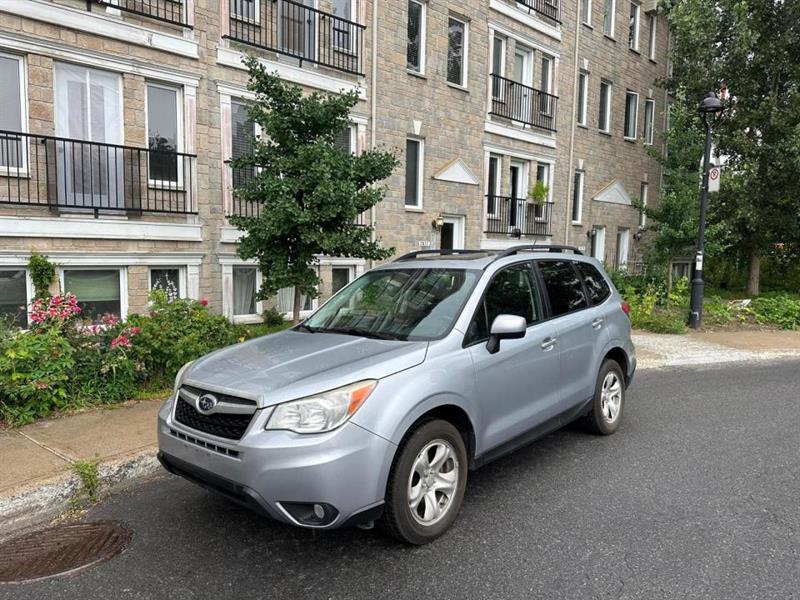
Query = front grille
x=225 y=425
x=203 y=444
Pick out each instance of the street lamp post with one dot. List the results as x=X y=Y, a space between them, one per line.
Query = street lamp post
x=710 y=111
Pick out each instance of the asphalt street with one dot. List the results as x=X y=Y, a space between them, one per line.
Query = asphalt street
x=696 y=496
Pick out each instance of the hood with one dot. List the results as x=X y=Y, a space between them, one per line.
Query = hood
x=293 y=364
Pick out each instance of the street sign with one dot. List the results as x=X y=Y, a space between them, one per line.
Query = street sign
x=713 y=179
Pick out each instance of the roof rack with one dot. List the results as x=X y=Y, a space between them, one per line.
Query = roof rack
x=538 y=248
x=440 y=251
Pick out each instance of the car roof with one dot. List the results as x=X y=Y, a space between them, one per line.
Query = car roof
x=482 y=259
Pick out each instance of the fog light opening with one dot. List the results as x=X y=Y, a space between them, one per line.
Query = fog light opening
x=315 y=514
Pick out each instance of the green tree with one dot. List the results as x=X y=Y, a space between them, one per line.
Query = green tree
x=309 y=190
x=753 y=48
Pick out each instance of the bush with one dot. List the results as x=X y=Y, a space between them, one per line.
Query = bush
x=777 y=310
x=272 y=317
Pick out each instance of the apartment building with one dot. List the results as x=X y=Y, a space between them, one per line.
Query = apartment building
x=119 y=119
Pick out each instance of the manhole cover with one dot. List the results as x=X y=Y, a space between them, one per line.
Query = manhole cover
x=61 y=550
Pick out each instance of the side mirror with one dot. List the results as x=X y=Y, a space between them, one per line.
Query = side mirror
x=505 y=327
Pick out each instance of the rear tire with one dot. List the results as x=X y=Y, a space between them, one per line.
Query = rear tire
x=609 y=400
x=426 y=484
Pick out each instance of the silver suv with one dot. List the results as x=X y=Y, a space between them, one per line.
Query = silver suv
x=381 y=402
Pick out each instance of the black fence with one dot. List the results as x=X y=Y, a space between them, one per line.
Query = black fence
x=517 y=216
x=168 y=11
x=81 y=176
x=299 y=31
x=523 y=103
x=549 y=9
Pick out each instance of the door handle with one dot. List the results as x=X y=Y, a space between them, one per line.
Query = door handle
x=548 y=344
x=598 y=323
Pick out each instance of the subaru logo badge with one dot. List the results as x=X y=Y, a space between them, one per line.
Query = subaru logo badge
x=206 y=403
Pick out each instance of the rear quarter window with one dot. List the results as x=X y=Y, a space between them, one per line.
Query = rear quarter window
x=564 y=286
x=596 y=284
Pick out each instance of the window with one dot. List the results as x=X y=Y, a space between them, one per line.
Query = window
x=564 y=286
x=583 y=83
x=577 y=197
x=609 y=8
x=651 y=44
x=415 y=47
x=643 y=200
x=586 y=12
x=633 y=27
x=498 y=66
x=511 y=292
x=457 y=52
x=649 y=110
x=167 y=279
x=604 y=118
x=546 y=104
x=245 y=10
x=631 y=115
x=286 y=301
x=623 y=245
x=493 y=185
x=97 y=290
x=340 y=277
x=243 y=133
x=414 y=168
x=14 y=297
x=245 y=286
x=598 y=248
x=163 y=132
x=596 y=285
x=342 y=27
x=344 y=140
x=543 y=175
x=13 y=149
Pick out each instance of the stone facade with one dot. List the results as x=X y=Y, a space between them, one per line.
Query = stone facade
x=458 y=125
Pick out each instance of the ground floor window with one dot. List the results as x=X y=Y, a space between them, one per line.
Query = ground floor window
x=245 y=287
x=167 y=279
x=286 y=301
x=340 y=277
x=97 y=290
x=14 y=297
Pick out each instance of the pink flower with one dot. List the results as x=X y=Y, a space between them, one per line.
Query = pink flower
x=203 y=302
x=121 y=341
x=109 y=319
x=41 y=385
x=133 y=331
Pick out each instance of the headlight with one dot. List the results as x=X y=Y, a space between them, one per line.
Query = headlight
x=323 y=412
x=179 y=376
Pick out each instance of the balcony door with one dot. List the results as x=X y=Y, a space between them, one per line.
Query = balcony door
x=519 y=192
x=297 y=26
x=90 y=164
x=523 y=75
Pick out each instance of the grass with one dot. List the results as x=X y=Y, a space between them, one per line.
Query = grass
x=87 y=472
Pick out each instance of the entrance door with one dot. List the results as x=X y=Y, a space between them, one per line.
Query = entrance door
x=298 y=26
x=623 y=243
x=89 y=109
x=519 y=192
x=452 y=234
x=523 y=74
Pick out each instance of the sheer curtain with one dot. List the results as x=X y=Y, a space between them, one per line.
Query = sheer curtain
x=286 y=301
x=244 y=290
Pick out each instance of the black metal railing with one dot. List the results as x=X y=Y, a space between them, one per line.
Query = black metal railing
x=81 y=176
x=168 y=11
x=517 y=216
x=523 y=103
x=549 y=9
x=299 y=31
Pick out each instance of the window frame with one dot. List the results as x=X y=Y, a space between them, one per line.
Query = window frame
x=259 y=304
x=123 y=282
x=29 y=290
x=621 y=262
x=420 y=174
x=649 y=122
x=179 y=115
x=605 y=127
x=182 y=279
x=610 y=11
x=583 y=98
x=643 y=192
x=652 y=37
x=463 y=83
x=631 y=138
x=578 y=175
x=498 y=181
x=539 y=213
x=256 y=20
x=423 y=36
x=601 y=231
x=586 y=19
x=634 y=26
x=21 y=170
x=335 y=36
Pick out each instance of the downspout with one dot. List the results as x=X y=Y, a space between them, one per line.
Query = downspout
x=373 y=142
x=570 y=177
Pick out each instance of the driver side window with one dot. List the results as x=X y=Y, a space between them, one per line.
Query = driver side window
x=511 y=292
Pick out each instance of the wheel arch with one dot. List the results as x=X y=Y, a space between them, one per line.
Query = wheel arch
x=618 y=355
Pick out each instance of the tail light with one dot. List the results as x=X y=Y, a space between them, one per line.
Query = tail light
x=626 y=308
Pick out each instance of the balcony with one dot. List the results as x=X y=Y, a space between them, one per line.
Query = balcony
x=548 y=9
x=298 y=31
x=77 y=176
x=517 y=217
x=166 y=11
x=523 y=104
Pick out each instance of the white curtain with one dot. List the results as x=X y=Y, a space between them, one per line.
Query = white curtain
x=286 y=301
x=244 y=290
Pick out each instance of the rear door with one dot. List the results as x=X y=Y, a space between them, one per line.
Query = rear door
x=578 y=332
x=518 y=386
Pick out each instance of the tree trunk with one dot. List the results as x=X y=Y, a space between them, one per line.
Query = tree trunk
x=297 y=304
x=753 y=282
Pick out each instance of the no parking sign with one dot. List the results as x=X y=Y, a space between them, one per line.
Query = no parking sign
x=713 y=179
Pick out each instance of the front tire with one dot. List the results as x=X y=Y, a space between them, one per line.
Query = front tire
x=609 y=399
x=426 y=485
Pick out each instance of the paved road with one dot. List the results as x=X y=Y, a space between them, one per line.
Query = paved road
x=697 y=496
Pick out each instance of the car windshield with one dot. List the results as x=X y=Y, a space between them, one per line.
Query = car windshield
x=397 y=304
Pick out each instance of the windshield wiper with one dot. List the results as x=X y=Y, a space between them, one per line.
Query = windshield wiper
x=308 y=328
x=378 y=335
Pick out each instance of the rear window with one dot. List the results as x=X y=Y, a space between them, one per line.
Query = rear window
x=596 y=284
x=563 y=286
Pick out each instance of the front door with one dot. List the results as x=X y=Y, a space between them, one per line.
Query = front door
x=90 y=164
x=518 y=387
x=452 y=234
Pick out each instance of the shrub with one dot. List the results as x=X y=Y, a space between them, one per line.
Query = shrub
x=42 y=272
x=778 y=310
x=272 y=317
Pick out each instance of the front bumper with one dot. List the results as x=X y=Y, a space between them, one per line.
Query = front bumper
x=266 y=471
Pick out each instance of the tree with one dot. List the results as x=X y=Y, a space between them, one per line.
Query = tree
x=310 y=192
x=753 y=47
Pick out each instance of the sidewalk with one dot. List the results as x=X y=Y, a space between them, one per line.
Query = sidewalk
x=36 y=479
